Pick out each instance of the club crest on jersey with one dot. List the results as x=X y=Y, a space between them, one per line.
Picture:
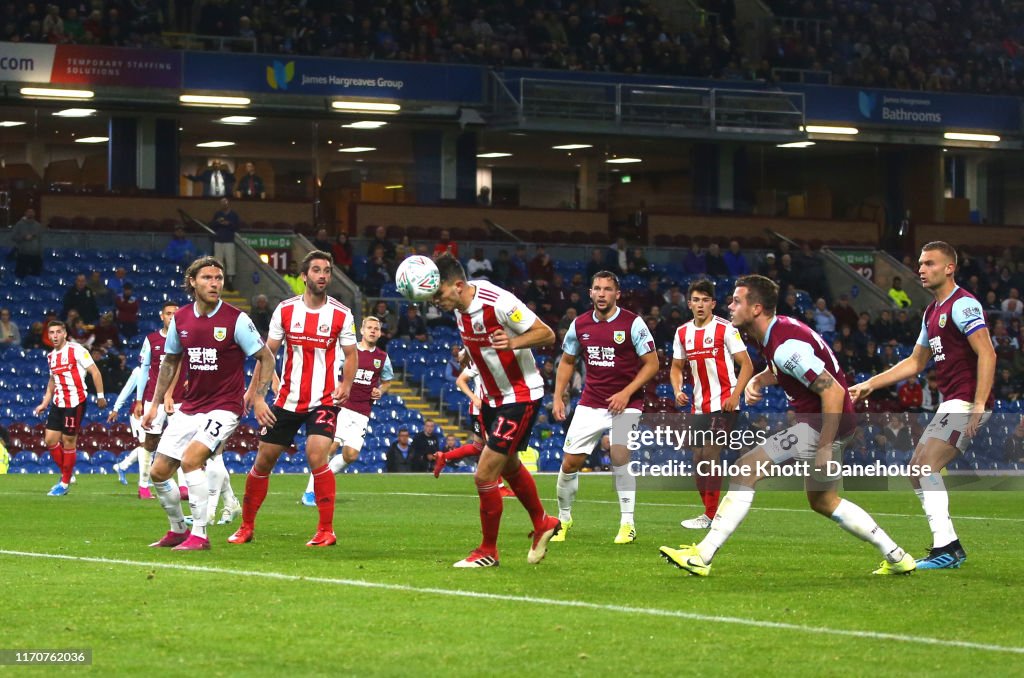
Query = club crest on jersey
x=478 y=327
x=619 y=336
x=376 y=363
x=942 y=320
x=220 y=333
x=323 y=330
x=709 y=339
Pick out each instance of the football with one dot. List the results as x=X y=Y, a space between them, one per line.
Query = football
x=417 y=278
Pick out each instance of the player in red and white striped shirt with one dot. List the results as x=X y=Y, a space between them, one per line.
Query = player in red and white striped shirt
x=318 y=333
x=69 y=363
x=499 y=330
x=710 y=345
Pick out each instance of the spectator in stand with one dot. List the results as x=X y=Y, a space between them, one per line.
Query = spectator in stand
x=789 y=277
x=597 y=262
x=80 y=298
x=502 y=273
x=106 y=335
x=899 y=295
x=342 y=252
x=27 y=238
x=250 y=187
x=294 y=279
x=10 y=335
x=378 y=273
x=261 y=315
x=217 y=180
x=824 y=320
x=479 y=267
x=566 y=322
x=788 y=306
x=380 y=239
x=547 y=373
x=520 y=265
x=714 y=262
x=180 y=249
x=1007 y=387
x=400 y=454
x=735 y=261
x=127 y=312
x=541 y=266
x=1004 y=344
x=321 y=240
x=483 y=198
x=931 y=398
x=578 y=302
x=117 y=283
x=104 y=295
x=861 y=335
x=1012 y=307
x=675 y=302
x=78 y=331
x=412 y=325
x=445 y=245
x=810 y=274
x=910 y=394
x=388 y=322
x=425 y=445
x=453 y=368
x=1014 y=446
x=884 y=329
x=907 y=328
x=225 y=225
x=537 y=294
x=617 y=257
x=895 y=435
x=888 y=357
x=650 y=295
x=844 y=313
x=638 y=264
x=558 y=295
x=769 y=268
x=990 y=305
x=34 y=337
x=694 y=262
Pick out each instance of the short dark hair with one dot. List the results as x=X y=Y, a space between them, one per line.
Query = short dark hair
x=56 y=323
x=163 y=307
x=193 y=270
x=605 y=274
x=761 y=290
x=943 y=247
x=450 y=269
x=702 y=285
x=311 y=257
x=896 y=278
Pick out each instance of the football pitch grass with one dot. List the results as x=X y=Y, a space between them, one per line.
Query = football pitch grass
x=791 y=594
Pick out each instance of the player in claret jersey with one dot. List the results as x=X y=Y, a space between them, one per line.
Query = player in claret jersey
x=318 y=333
x=805 y=368
x=954 y=334
x=372 y=380
x=710 y=345
x=619 y=358
x=499 y=330
x=216 y=338
x=69 y=363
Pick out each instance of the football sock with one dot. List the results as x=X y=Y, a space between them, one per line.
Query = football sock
x=324 y=488
x=568 y=484
x=521 y=482
x=935 y=502
x=625 y=486
x=198 y=500
x=857 y=522
x=467 y=450
x=181 y=478
x=215 y=474
x=731 y=512
x=145 y=460
x=338 y=463
x=57 y=454
x=712 y=492
x=68 y=467
x=170 y=501
x=490 y=515
x=226 y=491
x=255 y=493
x=127 y=462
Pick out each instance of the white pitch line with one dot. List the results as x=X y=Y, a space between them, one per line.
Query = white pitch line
x=533 y=600
x=680 y=505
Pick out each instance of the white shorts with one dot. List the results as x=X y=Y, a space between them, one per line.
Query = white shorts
x=351 y=430
x=799 y=441
x=590 y=423
x=159 y=421
x=949 y=423
x=212 y=429
x=136 y=426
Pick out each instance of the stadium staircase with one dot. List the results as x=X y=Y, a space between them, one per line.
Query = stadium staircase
x=426 y=410
x=236 y=299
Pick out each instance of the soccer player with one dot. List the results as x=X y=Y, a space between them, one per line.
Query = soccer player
x=216 y=337
x=139 y=453
x=69 y=363
x=373 y=377
x=619 y=358
x=318 y=332
x=499 y=330
x=954 y=334
x=710 y=345
x=806 y=369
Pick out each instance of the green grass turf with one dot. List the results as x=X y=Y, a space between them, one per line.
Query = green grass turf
x=788 y=566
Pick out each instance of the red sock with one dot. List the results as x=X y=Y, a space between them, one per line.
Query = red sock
x=701 y=481
x=255 y=493
x=521 y=482
x=67 y=469
x=57 y=454
x=467 y=450
x=712 y=490
x=490 y=515
x=324 y=489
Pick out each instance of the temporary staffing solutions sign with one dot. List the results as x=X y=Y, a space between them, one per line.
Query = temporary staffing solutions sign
x=87 y=65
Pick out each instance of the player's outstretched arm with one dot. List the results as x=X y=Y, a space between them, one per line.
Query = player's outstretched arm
x=753 y=391
x=910 y=366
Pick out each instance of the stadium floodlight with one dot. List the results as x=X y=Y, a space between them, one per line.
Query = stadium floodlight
x=795 y=144
x=971 y=136
x=494 y=154
x=51 y=93
x=572 y=147
x=365 y=124
x=92 y=140
x=357 y=149
x=11 y=123
x=215 y=144
x=237 y=119
x=365 y=106
x=75 y=113
x=831 y=129
x=622 y=161
x=213 y=100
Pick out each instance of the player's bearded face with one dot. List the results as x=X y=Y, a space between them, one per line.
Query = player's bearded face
x=318 y=278
x=208 y=283
x=603 y=296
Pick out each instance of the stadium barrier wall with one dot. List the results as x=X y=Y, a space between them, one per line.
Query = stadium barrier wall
x=522 y=218
x=729 y=226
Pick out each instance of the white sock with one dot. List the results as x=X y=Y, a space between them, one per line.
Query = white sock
x=181 y=478
x=170 y=501
x=198 y=500
x=145 y=460
x=215 y=475
x=127 y=462
x=309 y=485
x=226 y=491
x=337 y=464
x=857 y=522
x=731 y=512
x=625 y=486
x=568 y=484
x=935 y=502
